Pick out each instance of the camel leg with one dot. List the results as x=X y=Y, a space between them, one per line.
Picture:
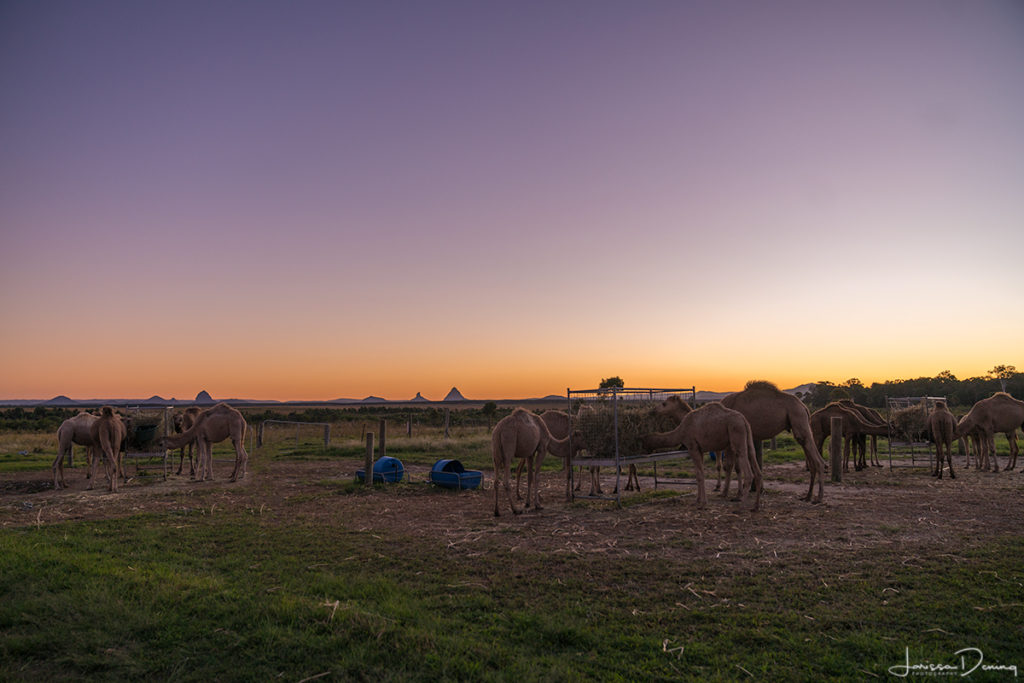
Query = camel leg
x=728 y=467
x=698 y=469
x=815 y=464
x=991 y=445
x=58 y=467
x=241 y=459
x=519 y=476
x=538 y=459
x=759 y=452
x=1012 y=438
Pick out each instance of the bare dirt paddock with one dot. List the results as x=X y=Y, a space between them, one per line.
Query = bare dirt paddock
x=883 y=509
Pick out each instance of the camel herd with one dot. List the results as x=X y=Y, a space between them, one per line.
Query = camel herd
x=104 y=437
x=736 y=428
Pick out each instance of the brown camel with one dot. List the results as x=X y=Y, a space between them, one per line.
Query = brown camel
x=943 y=426
x=74 y=430
x=870 y=416
x=108 y=433
x=713 y=427
x=182 y=422
x=1000 y=412
x=677 y=408
x=520 y=435
x=211 y=426
x=853 y=426
x=770 y=412
x=558 y=425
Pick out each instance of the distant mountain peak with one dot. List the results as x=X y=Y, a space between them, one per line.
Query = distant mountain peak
x=418 y=398
x=203 y=397
x=454 y=395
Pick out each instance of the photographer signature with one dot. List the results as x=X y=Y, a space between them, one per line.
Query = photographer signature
x=971 y=660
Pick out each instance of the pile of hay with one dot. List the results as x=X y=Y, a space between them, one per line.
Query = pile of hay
x=911 y=424
x=597 y=424
x=143 y=432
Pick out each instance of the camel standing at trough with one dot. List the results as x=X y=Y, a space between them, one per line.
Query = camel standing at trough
x=1000 y=412
x=108 y=433
x=211 y=426
x=713 y=427
x=525 y=436
x=74 y=430
x=943 y=426
x=770 y=412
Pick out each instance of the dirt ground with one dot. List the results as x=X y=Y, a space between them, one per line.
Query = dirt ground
x=899 y=509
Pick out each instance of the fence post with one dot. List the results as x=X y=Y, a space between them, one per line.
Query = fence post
x=835 y=448
x=447 y=416
x=408 y=427
x=368 y=470
x=383 y=437
x=327 y=436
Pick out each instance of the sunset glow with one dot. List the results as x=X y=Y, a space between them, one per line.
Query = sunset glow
x=308 y=201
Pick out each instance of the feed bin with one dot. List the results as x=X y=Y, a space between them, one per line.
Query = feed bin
x=386 y=469
x=451 y=474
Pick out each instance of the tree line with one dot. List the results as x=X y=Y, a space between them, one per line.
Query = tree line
x=958 y=392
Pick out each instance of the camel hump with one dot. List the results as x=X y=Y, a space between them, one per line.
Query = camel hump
x=761 y=385
x=107 y=411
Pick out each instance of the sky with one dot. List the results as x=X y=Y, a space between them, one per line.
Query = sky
x=316 y=200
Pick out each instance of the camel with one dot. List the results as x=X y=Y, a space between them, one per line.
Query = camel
x=770 y=412
x=853 y=426
x=1000 y=412
x=677 y=408
x=715 y=427
x=183 y=422
x=211 y=426
x=108 y=433
x=871 y=416
x=558 y=425
x=521 y=435
x=943 y=426
x=74 y=430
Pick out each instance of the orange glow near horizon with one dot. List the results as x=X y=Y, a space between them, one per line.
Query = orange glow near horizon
x=387 y=204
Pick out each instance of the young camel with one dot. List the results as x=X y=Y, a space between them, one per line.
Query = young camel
x=521 y=435
x=108 y=433
x=943 y=426
x=211 y=426
x=558 y=426
x=999 y=413
x=716 y=428
x=771 y=411
x=183 y=422
x=74 y=430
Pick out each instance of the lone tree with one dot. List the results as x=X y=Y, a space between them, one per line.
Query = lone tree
x=1002 y=373
x=489 y=409
x=612 y=382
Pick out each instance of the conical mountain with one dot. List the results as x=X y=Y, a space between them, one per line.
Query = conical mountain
x=419 y=399
x=454 y=395
x=203 y=398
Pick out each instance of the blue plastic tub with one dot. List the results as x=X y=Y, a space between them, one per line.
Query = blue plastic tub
x=385 y=470
x=452 y=475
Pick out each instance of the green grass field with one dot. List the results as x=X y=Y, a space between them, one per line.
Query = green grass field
x=234 y=593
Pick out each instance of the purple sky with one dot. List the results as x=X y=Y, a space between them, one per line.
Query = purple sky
x=324 y=199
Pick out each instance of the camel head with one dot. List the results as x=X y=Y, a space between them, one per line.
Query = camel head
x=673 y=405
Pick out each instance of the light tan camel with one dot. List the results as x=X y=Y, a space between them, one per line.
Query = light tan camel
x=853 y=426
x=770 y=412
x=520 y=435
x=677 y=408
x=558 y=426
x=211 y=426
x=74 y=430
x=870 y=416
x=713 y=427
x=1000 y=412
x=943 y=426
x=108 y=433
x=183 y=422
